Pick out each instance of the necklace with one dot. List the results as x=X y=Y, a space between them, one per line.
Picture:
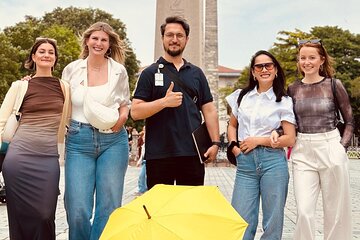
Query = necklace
x=96 y=69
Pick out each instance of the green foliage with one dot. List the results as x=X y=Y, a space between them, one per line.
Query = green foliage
x=68 y=46
x=342 y=45
x=78 y=20
x=9 y=64
x=66 y=26
x=243 y=79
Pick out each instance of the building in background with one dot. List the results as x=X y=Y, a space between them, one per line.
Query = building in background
x=227 y=78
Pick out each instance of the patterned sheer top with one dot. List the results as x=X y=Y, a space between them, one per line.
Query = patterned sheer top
x=314 y=107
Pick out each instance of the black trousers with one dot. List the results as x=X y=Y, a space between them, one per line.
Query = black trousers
x=175 y=170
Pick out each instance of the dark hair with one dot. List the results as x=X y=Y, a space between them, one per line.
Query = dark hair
x=326 y=70
x=279 y=81
x=29 y=63
x=175 y=19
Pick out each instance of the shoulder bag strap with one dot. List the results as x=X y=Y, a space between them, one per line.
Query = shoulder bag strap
x=237 y=125
x=188 y=90
x=333 y=88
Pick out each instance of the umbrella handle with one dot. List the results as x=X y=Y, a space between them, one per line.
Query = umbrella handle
x=147 y=213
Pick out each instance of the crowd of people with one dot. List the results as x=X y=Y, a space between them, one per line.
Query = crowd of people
x=174 y=98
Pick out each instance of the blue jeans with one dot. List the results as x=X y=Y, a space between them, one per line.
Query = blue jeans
x=95 y=163
x=262 y=173
x=142 y=178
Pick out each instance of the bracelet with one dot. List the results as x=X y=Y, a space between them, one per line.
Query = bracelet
x=216 y=143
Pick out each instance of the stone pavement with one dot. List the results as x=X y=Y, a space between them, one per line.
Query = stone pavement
x=223 y=177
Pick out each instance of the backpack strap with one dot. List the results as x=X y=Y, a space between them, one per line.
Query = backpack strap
x=333 y=88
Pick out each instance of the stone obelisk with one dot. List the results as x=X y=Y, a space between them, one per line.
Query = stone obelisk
x=192 y=11
x=210 y=55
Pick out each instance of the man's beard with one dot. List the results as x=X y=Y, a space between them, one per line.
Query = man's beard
x=174 y=53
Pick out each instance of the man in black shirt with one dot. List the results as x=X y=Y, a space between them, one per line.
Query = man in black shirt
x=171 y=114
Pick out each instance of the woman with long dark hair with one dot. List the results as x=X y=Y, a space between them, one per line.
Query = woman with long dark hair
x=262 y=170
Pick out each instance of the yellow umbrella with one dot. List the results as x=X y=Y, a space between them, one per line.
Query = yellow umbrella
x=168 y=212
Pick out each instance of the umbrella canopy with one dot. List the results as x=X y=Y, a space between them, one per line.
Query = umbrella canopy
x=168 y=212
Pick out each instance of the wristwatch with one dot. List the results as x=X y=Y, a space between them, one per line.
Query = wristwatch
x=216 y=143
x=232 y=144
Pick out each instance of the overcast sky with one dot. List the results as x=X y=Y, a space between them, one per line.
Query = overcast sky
x=245 y=26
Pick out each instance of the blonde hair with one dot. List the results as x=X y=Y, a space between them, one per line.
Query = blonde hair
x=117 y=49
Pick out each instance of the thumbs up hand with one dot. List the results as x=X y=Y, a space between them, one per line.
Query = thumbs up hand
x=172 y=99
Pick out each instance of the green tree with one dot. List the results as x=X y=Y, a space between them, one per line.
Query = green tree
x=78 y=20
x=64 y=25
x=67 y=43
x=342 y=45
x=9 y=64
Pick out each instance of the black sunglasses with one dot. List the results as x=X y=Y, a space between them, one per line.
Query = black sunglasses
x=259 y=67
x=46 y=39
x=314 y=41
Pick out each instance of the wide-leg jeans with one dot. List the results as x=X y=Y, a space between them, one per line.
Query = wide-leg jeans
x=95 y=165
x=262 y=173
x=320 y=163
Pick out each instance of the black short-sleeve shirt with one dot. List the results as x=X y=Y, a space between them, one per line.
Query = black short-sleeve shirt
x=168 y=132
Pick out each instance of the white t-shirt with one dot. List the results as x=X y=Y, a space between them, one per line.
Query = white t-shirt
x=114 y=93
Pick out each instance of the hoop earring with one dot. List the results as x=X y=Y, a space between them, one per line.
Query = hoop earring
x=108 y=52
x=254 y=78
x=276 y=75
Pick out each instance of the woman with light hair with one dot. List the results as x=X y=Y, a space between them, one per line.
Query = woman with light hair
x=96 y=156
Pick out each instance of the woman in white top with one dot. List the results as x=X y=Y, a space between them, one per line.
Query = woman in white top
x=262 y=170
x=96 y=159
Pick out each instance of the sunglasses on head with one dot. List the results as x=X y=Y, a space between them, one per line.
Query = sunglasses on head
x=314 y=41
x=261 y=66
x=46 y=39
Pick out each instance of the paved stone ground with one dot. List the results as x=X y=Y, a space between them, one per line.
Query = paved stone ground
x=223 y=177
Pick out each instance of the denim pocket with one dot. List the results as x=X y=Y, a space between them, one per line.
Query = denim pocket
x=273 y=150
x=239 y=158
x=72 y=130
x=278 y=153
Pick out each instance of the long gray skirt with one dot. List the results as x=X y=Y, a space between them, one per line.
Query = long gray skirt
x=31 y=173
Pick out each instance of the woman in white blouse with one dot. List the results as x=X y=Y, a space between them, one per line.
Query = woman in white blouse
x=96 y=159
x=262 y=170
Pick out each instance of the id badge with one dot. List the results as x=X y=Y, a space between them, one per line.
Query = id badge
x=159 y=79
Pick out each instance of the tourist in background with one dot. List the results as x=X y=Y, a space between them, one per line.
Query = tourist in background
x=141 y=162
